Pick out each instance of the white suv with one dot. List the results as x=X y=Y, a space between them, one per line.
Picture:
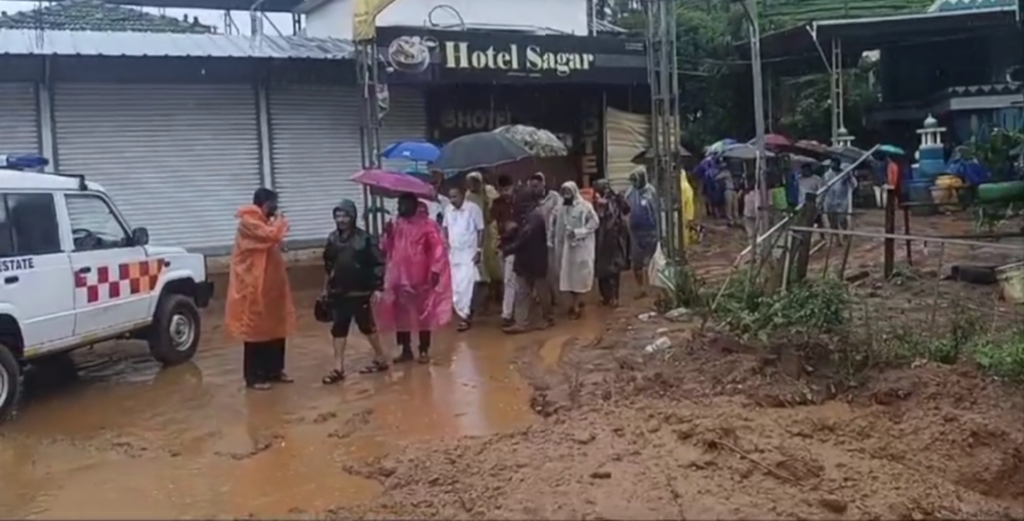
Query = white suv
x=73 y=274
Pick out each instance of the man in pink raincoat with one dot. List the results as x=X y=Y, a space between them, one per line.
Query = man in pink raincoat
x=417 y=294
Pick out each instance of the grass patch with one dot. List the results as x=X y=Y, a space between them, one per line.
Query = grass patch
x=818 y=312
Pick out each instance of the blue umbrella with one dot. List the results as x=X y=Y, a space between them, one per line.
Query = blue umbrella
x=419 y=151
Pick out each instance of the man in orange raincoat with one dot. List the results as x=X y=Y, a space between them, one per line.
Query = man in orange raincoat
x=259 y=309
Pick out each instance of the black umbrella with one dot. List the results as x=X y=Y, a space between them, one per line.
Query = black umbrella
x=480 y=150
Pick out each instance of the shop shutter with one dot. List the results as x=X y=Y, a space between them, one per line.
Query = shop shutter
x=315 y=150
x=177 y=159
x=19 y=119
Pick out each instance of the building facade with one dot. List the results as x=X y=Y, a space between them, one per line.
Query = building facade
x=181 y=142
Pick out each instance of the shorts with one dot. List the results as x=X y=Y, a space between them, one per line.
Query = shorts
x=348 y=308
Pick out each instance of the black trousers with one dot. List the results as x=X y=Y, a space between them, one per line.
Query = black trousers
x=608 y=286
x=263 y=362
x=404 y=340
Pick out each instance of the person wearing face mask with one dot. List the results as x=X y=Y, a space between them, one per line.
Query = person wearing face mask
x=572 y=237
x=259 y=310
x=354 y=267
x=612 y=241
x=417 y=283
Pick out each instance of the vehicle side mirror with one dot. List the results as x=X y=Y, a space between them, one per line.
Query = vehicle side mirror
x=140 y=236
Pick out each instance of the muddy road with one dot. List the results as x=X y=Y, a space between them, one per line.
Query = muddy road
x=128 y=439
x=571 y=423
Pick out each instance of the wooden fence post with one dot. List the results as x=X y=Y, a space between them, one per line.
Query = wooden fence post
x=808 y=215
x=890 y=228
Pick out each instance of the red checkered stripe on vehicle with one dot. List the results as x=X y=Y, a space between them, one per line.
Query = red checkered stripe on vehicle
x=112 y=282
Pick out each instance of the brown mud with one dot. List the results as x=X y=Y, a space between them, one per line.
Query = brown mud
x=572 y=423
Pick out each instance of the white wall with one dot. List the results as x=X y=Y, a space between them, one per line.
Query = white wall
x=334 y=17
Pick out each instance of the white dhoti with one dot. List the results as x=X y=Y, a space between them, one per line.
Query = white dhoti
x=508 y=298
x=465 y=274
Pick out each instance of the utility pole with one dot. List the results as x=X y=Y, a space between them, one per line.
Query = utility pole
x=663 y=76
x=759 y=125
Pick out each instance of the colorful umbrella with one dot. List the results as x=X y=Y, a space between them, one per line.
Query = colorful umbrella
x=810 y=146
x=718 y=146
x=891 y=150
x=743 y=151
x=420 y=151
x=773 y=140
x=394 y=184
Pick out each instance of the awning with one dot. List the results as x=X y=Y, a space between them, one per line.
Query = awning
x=797 y=48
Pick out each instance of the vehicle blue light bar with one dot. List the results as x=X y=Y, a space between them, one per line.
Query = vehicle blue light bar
x=23 y=161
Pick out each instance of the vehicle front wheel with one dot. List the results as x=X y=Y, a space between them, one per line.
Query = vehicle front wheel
x=175 y=332
x=10 y=383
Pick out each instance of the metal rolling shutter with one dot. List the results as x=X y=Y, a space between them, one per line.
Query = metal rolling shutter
x=177 y=159
x=19 y=118
x=406 y=120
x=315 y=150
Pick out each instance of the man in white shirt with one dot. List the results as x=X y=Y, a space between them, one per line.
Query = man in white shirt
x=463 y=229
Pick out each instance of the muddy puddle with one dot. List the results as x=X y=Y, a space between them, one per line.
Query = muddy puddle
x=127 y=439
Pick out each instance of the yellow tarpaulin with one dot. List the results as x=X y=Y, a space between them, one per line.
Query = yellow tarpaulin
x=364 y=18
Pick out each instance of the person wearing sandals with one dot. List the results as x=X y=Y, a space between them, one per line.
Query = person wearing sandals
x=572 y=235
x=355 y=277
x=464 y=231
x=417 y=295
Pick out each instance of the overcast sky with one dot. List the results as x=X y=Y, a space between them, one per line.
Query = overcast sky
x=283 y=21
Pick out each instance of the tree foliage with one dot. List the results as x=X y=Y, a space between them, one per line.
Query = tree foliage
x=716 y=86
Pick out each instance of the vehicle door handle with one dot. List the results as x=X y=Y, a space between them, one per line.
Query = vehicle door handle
x=12 y=279
x=84 y=269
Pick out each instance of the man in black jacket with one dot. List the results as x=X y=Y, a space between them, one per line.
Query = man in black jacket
x=530 y=248
x=355 y=277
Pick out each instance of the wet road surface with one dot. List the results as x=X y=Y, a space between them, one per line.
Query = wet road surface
x=129 y=440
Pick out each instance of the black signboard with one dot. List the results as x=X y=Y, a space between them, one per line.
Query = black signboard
x=573 y=113
x=420 y=55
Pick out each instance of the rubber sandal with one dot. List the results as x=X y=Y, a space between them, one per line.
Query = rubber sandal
x=333 y=377
x=261 y=386
x=463 y=326
x=375 y=367
x=406 y=356
x=424 y=357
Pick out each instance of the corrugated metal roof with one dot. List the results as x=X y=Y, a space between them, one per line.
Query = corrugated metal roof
x=968 y=5
x=601 y=26
x=90 y=43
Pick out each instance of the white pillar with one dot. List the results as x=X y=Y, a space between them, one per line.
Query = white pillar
x=266 y=160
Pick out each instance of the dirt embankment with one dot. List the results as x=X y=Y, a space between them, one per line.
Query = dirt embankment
x=713 y=429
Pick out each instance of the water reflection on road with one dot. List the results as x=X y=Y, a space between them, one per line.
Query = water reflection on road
x=131 y=440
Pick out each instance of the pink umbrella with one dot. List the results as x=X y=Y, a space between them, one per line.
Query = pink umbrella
x=774 y=140
x=394 y=184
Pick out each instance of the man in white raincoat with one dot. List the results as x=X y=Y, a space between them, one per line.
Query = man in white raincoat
x=572 y=237
x=464 y=230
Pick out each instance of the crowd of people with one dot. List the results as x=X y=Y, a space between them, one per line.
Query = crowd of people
x=520 y=243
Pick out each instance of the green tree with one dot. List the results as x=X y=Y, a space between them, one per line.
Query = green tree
x=715 y=83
